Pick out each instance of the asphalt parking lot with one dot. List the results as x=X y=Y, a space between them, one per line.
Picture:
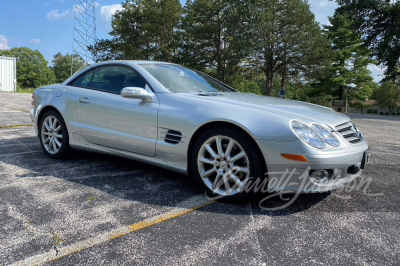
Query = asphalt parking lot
x=97 y=209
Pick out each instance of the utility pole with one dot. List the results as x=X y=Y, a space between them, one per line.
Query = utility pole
x=84 y=33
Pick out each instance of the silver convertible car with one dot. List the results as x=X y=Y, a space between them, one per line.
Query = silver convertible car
x=233 y=144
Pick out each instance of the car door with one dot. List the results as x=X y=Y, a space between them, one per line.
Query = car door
x=106 y=118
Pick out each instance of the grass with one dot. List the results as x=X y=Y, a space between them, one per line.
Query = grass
x=92 y=199
x=27 y=90
x=58 y=239
x=16 y=126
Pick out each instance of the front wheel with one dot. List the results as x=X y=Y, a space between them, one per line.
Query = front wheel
x=53 y=135
x=224 y=162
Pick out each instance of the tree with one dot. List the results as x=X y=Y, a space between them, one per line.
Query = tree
x=348 y=78
x=211 y=37
x=285 y=39
x=144 y=29
x=388 y=95
x=32 y=69
x=379 y=24
x=62 y=66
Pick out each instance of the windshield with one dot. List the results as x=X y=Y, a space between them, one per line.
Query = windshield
x=178 y=79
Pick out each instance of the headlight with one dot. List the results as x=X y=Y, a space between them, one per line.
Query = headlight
x=326 y=135
x=308 y=135
x=358 y=132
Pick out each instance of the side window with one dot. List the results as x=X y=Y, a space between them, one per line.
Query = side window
x=114 y=78
x=134 y=80
x=83 y=81
x=102 y=79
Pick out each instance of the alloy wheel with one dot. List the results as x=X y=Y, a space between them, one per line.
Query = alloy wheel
x=223 y=165
x=51 y=134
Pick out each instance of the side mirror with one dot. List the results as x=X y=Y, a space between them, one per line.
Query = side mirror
x=136 y=93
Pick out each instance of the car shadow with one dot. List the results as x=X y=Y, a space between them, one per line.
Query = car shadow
x=135 y=181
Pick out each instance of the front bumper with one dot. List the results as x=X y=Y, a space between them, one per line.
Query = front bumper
x=285 y=175
x=33 y=115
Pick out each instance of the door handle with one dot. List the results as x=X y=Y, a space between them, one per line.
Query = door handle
x=84 y=100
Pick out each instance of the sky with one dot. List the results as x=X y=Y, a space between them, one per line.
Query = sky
x=47 y=25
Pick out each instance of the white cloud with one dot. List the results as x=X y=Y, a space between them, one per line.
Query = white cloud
x=323 y=10
x=57 y=15
x=36 y=41
x=377 y=72
x=108 y=11
x=4 y=43
x=325 y=3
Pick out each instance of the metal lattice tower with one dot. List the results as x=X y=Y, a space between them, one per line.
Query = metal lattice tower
x=84 y=33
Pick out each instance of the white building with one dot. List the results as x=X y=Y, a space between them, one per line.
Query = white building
x=8 y=74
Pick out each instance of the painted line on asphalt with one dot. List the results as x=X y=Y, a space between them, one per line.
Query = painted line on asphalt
x=185 y=207
x=16 y=126
x=16 y=110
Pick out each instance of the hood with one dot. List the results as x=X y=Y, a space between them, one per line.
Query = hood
x=306 y=112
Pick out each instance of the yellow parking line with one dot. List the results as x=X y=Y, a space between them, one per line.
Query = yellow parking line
x=188 y=206
x=16 y=126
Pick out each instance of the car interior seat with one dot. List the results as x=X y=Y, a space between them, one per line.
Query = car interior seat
x=116 y=81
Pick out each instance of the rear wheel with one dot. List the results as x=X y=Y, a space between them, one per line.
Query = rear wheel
x=53 y=135
x=224 y=161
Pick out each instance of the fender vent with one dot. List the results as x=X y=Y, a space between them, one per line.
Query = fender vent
x=173 y=137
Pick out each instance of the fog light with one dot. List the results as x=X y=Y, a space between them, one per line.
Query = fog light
x=319 y=176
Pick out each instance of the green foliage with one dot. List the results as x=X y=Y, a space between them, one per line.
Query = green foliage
x=379 y=24
x=208 y=36
x=222 y=37
x=144 y=29
x=298 y=92
x=32 y=69
x=285 y=39
x=93 y=198
x=388 y=95
x=258 y=46
x=62 y=66
x=105 y=50
x=249 y=86
x=348 y=77
x=25 y=90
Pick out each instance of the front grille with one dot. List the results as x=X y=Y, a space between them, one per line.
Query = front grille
x=350 y=132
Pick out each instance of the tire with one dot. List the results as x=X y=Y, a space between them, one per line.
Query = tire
x=53 y=135
x=225 y=174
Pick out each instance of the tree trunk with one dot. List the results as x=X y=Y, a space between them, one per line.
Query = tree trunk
x=220 y=64
x=341 y=96
x=223 y=73
x=147 y=52
x=391 y=107
x=341 y=92
x=283 y=79
x=270 y=82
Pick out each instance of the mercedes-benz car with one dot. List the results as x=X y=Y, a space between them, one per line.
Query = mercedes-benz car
x=231 y=143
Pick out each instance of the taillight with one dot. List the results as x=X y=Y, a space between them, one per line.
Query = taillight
x=33 y=100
